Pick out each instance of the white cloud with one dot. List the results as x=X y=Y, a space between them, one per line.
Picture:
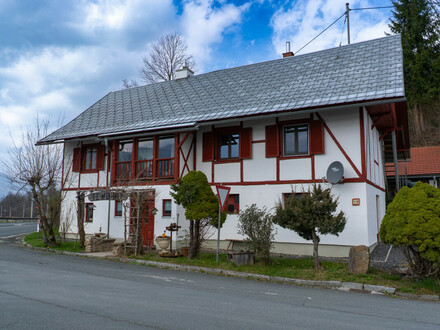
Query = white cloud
x=300 y=22
x=203 y=25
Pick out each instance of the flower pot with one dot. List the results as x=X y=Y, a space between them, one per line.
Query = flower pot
x=163 y=242
x=184 y=251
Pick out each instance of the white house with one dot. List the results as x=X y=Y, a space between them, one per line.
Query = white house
x=264 y=129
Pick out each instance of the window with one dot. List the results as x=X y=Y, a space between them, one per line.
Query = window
x=166 y=147
x=118 y=208
x=88 y=158
x=125 y=151
x=145 y=153
x=166 y=210
x=148 y=158
x=233 y=204
x=91 y=154
x=286 y=196
x=229 y=146
x=89 y=212
x=296 y=140
x=145 y=149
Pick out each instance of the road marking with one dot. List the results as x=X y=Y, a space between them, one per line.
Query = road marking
x=166 y=279
x=10 y=236
x=271 y=293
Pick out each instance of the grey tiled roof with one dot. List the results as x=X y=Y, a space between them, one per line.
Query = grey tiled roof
x=365 y=71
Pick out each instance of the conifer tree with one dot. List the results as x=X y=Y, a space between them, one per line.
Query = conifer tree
x=418 y=25
x=310 y=216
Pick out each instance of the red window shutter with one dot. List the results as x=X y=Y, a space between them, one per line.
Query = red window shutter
x=246 y=143
x=76 y=167
x=100 y=158
x=272 y=141
x=316 y=137
x=208 y=147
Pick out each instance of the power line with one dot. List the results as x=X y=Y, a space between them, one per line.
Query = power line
x=383 y=7
x=344 y=14
x=320 y=33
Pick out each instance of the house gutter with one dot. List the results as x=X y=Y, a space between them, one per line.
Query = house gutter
x=150 y=131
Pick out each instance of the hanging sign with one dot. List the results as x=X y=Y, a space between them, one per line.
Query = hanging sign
x=223 y=193
x=106 y=195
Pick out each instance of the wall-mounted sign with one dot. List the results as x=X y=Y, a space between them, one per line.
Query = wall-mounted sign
x=107 y=195
x=356 y=201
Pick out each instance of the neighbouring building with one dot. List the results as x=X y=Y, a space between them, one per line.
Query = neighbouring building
x=424 y=166
x=265 y=130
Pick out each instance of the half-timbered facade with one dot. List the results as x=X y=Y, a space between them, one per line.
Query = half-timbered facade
x=267 y=130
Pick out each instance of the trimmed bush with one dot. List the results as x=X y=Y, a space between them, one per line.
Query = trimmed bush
x=412 y=221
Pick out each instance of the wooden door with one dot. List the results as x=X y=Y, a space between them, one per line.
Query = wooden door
x=148 y=224
x=147 y=221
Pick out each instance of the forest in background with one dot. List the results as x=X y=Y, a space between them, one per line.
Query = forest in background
x=418 y=21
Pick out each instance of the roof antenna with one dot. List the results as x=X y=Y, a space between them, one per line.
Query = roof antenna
x=347 y=15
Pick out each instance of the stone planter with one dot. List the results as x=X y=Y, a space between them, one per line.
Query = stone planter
x=241 y=258
x=164 y=243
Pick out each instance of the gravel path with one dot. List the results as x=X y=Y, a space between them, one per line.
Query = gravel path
x=387 y=257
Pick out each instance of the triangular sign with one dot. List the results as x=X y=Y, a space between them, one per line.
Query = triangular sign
x=223 y=193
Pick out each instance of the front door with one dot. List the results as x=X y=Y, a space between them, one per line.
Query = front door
x=147 y=221
x=148 y=224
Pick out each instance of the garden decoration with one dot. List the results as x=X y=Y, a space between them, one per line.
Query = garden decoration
x=172 y=227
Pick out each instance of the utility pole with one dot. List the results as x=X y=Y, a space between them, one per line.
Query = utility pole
x=347 y=16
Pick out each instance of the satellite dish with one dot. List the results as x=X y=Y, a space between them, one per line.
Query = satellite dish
x=335 y=172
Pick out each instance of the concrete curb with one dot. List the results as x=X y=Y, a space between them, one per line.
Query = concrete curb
x=342 y=286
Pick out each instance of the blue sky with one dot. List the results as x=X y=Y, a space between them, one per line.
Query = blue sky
x=58 y=57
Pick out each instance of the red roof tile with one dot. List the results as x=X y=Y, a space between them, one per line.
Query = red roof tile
x=424 y=161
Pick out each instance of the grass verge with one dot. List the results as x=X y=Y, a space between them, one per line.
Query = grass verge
x=36 y=240
x=299 y=268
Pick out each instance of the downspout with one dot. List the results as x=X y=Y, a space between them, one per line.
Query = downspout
x=396 y=165
x=109 y=184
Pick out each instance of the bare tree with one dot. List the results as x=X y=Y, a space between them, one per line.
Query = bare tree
x=39 y=169
x=169 y=54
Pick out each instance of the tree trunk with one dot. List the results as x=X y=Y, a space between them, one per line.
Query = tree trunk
x=315 y=250
x=191 y=240
x=80 y=217
x=197 y=238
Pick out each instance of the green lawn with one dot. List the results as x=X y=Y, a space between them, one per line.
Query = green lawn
x=300 y=268
x=36 y=239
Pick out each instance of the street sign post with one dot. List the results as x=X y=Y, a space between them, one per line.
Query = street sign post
x=222 y=193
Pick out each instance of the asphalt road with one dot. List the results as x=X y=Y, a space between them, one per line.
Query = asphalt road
x=12 y=229
x=40 y=290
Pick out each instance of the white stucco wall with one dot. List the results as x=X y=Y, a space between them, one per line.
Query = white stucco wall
x=361 y=226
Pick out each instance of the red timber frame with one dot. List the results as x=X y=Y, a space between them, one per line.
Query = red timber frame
x=361 y=173
x=111 y=164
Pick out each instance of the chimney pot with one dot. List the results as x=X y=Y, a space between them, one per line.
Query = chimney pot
x=288 y=53
x=185 y=72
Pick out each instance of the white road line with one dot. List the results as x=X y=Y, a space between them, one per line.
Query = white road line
x=10 y=236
